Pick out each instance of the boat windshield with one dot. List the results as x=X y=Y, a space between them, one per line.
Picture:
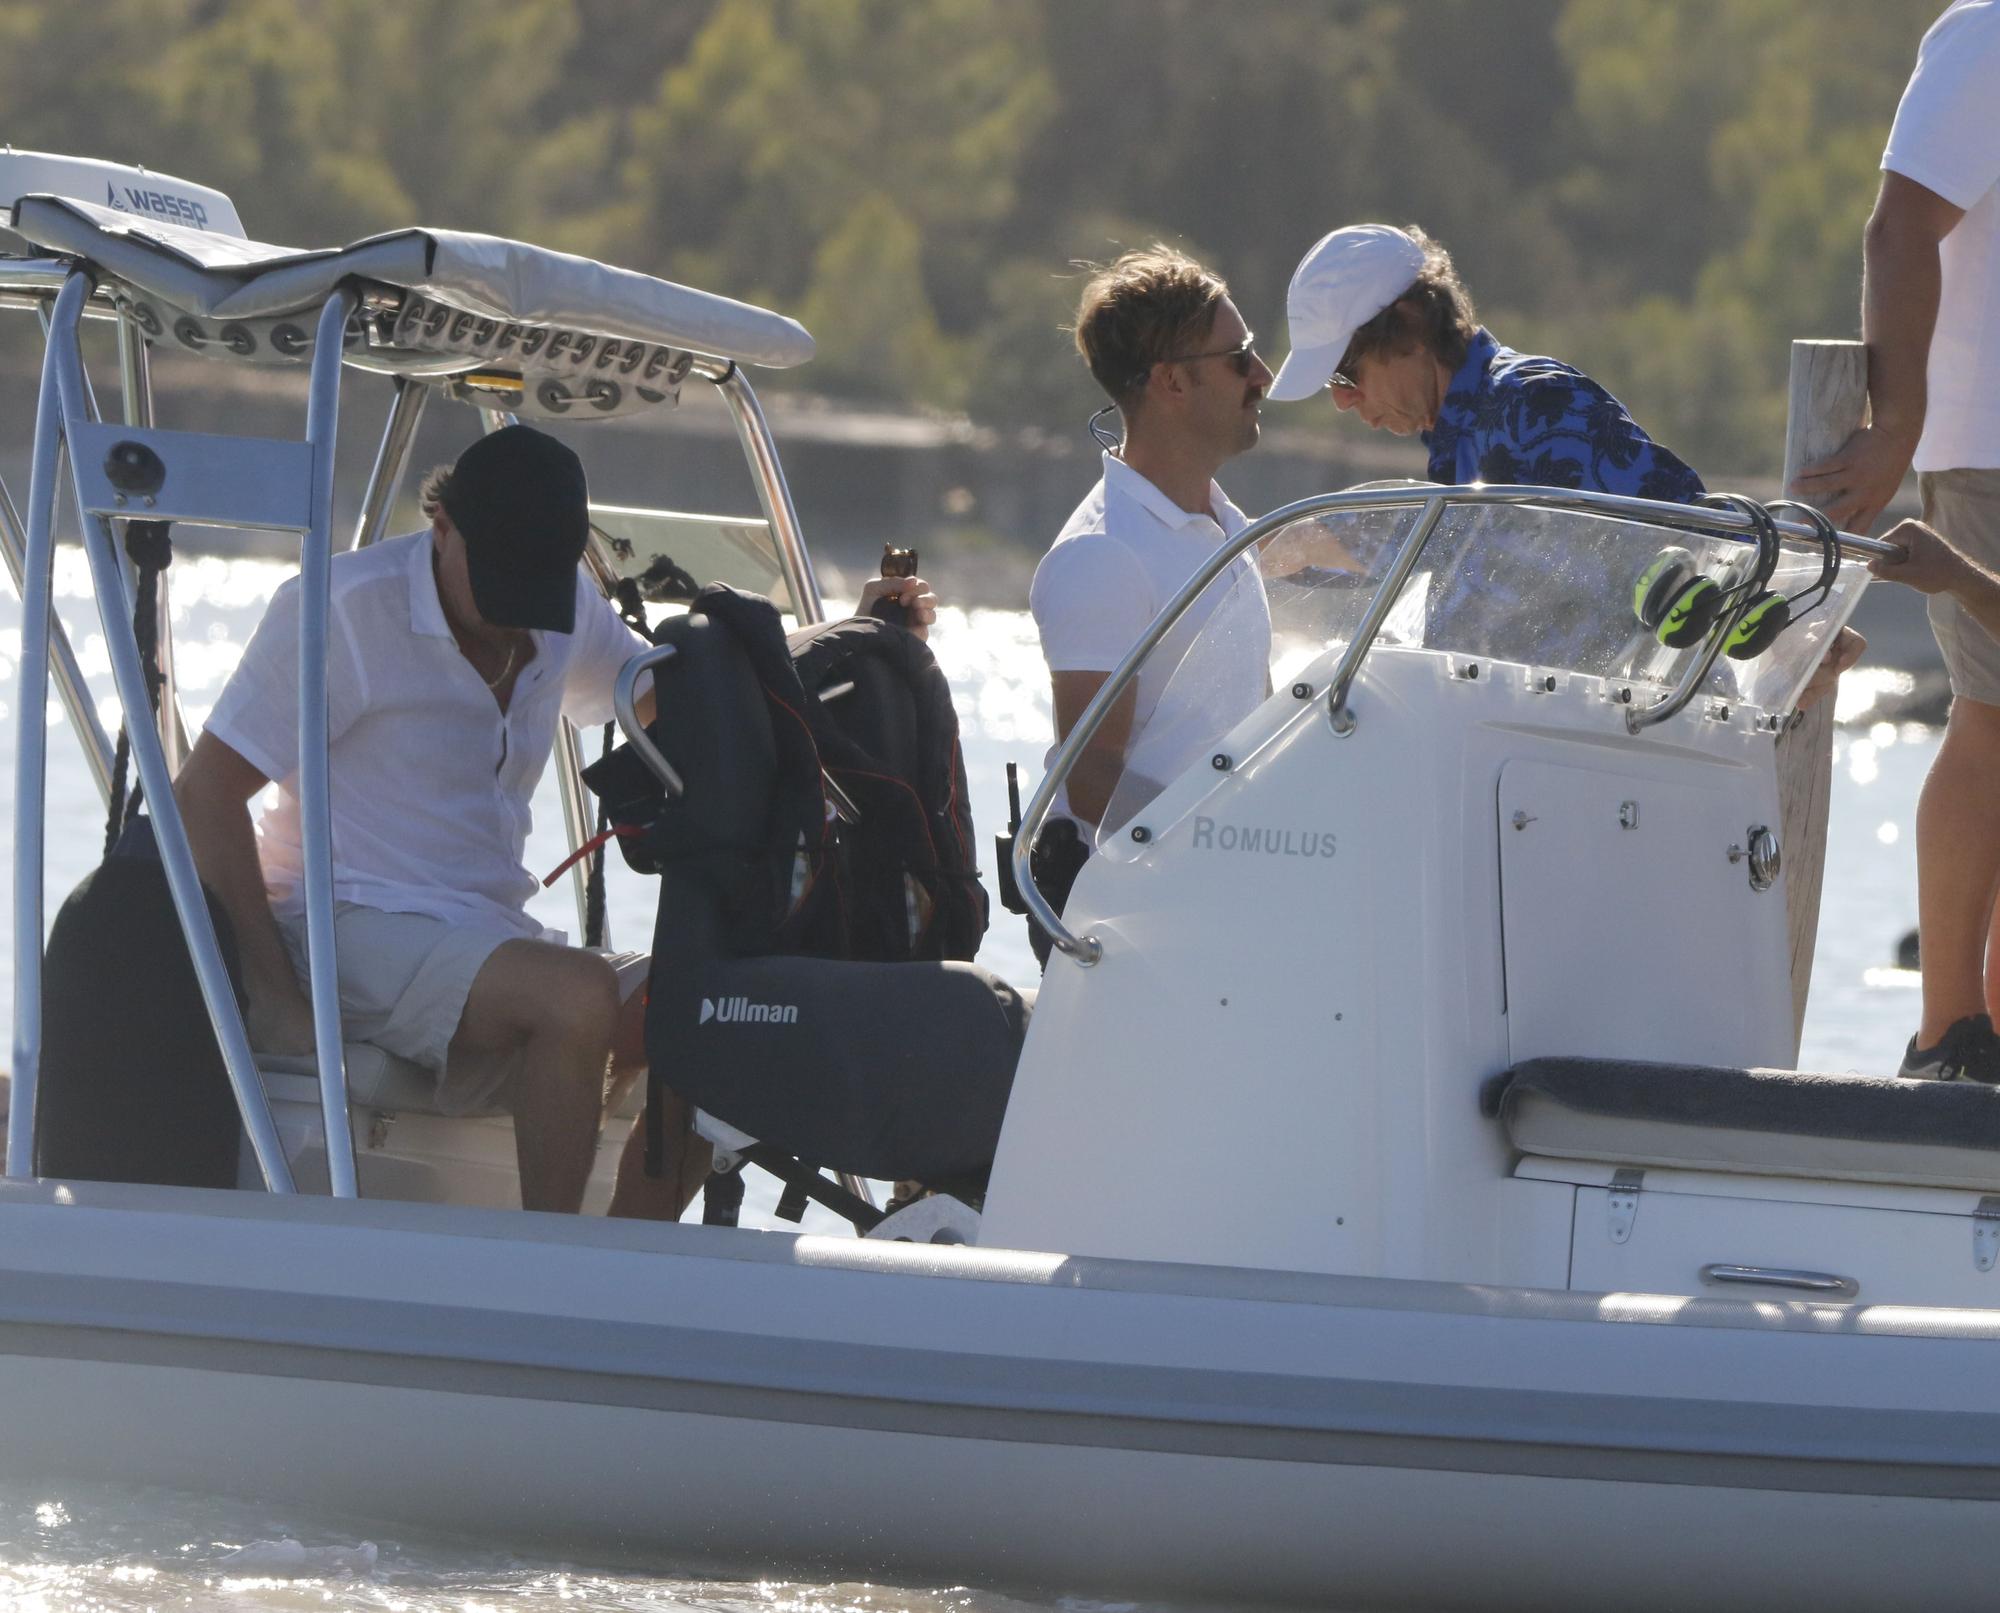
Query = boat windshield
x=672 y=557
x=1548 y=590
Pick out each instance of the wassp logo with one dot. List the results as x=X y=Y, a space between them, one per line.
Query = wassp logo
x=159 y=204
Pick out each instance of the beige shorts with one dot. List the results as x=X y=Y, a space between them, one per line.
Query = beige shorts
x=1965 y=506
x=404 y=979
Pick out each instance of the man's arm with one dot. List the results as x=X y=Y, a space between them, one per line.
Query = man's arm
x=1097 y=772
x=1899 y=304
x=213 y=792
x=1931 y=565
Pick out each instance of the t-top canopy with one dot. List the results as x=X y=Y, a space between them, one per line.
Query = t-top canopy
x=216 y=277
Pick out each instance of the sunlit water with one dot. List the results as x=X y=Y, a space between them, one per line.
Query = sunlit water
x=66 y=1546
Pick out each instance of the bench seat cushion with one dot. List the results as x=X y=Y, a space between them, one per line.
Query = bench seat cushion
x=1857 y=1128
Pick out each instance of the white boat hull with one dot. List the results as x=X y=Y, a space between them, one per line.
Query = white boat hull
x=702 y=1400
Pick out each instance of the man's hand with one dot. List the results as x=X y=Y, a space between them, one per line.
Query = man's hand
x=912 y=593
x=1928 y=563
x=1853 y=486
x=278 y=1020
x=1841 y=654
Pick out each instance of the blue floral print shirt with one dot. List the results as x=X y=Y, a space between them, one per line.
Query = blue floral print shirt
x=1512 y=418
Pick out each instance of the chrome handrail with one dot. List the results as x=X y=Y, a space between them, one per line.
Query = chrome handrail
x=315 y=765
x=624 y=705
x=1434 y=500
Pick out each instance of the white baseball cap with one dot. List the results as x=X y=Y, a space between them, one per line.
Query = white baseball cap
x=1341 y=284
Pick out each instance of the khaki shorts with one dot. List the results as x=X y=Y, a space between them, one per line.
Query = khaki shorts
x=404 y=979
x=1965 y=506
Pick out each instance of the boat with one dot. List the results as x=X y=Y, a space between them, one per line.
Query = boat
x=1402 y=1196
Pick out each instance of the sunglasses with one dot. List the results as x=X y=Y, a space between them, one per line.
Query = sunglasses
x=1241 y=357
x=1342 y=379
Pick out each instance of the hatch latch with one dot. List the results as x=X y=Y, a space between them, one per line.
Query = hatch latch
x=1623 y=1205
x=1986 y=1232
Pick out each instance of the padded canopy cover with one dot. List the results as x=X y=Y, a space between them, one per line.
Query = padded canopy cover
x=1849 y=1128
x=222 y=277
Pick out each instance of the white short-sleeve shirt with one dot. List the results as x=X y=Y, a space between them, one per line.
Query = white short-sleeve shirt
x=1947 y=138
x=431 y=782
x=1121 y=556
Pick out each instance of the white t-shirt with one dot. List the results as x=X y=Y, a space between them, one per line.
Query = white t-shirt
x=431 y=783
x=1947 y=138
x=1126 y=551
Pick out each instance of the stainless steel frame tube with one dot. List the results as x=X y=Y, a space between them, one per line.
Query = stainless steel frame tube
x=1386 y=595
x=177 y=860
x=70 y=684
x=315 y=781
x=392 y=458
x=31 y=742
x=135 y=385
x=754 y=432
x=1673 y=517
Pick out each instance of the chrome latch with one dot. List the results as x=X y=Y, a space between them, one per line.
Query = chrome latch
x=1986 y=1232
x=1623 y=1205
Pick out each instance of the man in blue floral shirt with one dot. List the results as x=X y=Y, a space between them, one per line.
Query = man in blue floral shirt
x=1379 y=317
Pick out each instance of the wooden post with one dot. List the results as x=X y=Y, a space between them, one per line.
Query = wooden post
x=1829 y=400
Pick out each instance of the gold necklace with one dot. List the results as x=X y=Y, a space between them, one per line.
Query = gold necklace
x=506 y=667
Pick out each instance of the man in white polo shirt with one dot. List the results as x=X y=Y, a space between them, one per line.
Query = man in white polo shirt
x=451 y=653
x=1931 y=318
x=1177 y=361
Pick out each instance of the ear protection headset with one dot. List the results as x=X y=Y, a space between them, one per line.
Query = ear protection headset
x=1681 y=604
x=1770 y=615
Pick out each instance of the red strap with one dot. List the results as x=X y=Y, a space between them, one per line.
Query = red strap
x=594 y=843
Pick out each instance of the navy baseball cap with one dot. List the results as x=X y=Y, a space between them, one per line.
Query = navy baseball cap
x=519 y=499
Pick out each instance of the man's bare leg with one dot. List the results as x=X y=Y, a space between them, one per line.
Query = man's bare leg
x=686 y=1165
x=554 y=1010
x=1958 y=867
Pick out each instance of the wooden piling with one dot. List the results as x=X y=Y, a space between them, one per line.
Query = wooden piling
x=1829 y=400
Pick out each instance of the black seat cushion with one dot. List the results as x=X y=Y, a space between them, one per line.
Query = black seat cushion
x=1767 y=1122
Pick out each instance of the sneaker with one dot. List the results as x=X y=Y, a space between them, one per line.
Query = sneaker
x=1968 y=1051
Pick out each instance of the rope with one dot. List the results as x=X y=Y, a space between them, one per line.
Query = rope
x=149 y=545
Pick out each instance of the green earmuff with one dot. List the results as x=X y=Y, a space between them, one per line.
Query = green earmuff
x=1672 y=569
x=1691 y=612
x=1757 y=629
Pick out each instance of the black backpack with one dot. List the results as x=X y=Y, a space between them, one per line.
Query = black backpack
x=860 y=703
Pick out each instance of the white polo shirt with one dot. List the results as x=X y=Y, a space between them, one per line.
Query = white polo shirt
x=1947 y=138
x=431 y=782
x=1126 y=551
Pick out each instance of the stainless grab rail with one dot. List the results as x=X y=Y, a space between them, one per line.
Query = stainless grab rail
x=1086 y=950
x=1384 y=601
x=1811 y=1282
x=624 y=705
x=315 y=766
